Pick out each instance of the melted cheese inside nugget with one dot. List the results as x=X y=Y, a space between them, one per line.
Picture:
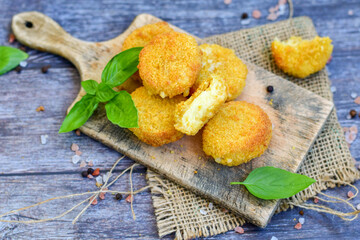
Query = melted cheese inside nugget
x=170 y=64
x=156 y=118
x=194 y=113
x=300 y=58
x=217 y=60
x=239 y=132
x=142 y=36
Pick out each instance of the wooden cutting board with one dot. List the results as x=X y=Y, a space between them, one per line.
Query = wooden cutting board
x=297 y=116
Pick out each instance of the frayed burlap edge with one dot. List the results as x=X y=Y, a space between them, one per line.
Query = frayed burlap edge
x=329 y=161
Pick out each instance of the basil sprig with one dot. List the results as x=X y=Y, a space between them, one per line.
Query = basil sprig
x=275 y=183
x=120 y=108
x=10 y=58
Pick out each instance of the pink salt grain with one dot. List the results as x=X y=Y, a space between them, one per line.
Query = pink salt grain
x=298 y=226
x=77 y=152
x=77 y=132
x=350 y=194
x=74 y=147
x=316 y=200
x=83 y=164
x=256 y=14
x=129 y=198
x=91 y=163
x=357 y=100
x=239 y=229
x=282 y=2
x=102 y=195
x=227 y=2
x=93 y=201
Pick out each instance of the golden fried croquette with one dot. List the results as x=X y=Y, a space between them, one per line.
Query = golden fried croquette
x=139 y=38
x=239 y=132
x=299 y=57
x=143 y=35
x=131 y=84
x=156 y=118
x=170 y=64
x=224 y=63
x=194 y=113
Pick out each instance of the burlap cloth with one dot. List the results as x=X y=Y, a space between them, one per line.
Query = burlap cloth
x=329 y=161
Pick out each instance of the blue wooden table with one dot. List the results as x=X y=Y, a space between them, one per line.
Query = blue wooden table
x=31 y=172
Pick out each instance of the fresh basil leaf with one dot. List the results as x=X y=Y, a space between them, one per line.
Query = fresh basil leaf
x=121 y=111
x=90 y=86
x=10 y=58
x=275 y=183
x=80 y=113
x=104 y=93
x=121 y=67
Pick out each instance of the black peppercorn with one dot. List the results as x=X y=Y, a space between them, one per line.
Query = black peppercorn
x=45 y=69
x=244 y=16
x=353 y=113
x=118 y=196
x=269 y=89
x=29 y=24
x=90 y=171
x=18 y=69
x=84 y=173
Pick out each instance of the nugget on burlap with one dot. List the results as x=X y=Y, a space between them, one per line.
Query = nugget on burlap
x=329 y=161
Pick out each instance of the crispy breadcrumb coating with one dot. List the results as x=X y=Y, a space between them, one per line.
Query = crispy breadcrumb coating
x=194 y=113
x=156 y=118
x=170 y=64
x=239 y=132
x=299 y=57
x=224 y=63
x=143 y=35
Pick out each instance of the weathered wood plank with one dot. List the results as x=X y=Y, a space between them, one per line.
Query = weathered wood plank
x=202 y=18
x=289 y=140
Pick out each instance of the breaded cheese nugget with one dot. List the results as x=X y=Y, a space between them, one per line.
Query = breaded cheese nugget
x=139 y=38
x=239 y=132
x=143 y=35
x=300 y=58
x=170 y=64
x=224 y=63
x=194 y=113
x=156 y=118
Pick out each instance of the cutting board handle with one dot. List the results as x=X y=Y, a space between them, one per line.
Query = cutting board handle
x=38 y=31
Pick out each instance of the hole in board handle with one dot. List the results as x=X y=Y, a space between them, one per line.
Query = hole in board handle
x=29 y=24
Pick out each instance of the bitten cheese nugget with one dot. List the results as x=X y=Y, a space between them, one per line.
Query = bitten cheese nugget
x=217 y=60
x=299 y=57
x=194 y=113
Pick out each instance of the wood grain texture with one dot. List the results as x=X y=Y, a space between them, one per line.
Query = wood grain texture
x=20 y=126
x=297 y=114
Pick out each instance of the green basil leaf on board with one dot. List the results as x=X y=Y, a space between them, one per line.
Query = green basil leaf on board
x=121 y=111
x=90 y=86
x=104 y=93
x=10 y=58
x=80 y=113
x=121 y=67
x=275 y=183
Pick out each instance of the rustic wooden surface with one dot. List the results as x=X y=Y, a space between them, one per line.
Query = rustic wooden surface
x=32 y=172
x=288 y=147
